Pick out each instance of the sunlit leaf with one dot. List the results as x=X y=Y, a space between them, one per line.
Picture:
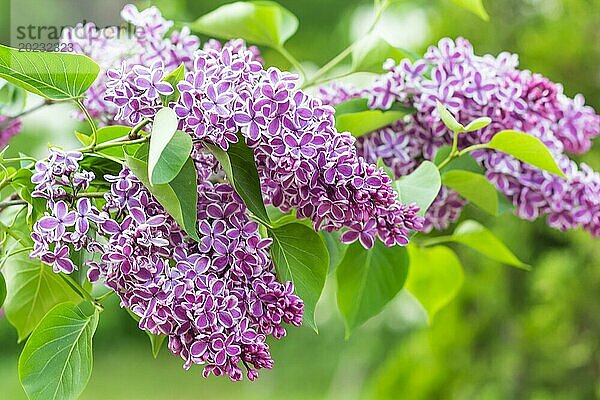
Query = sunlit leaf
x=260 y=22
x=369 y=54
x=435 y=275
x=56 y=362
x=356 y=117
x=56 y=76
x=478 y=237
x=475 y=6
x=526 y=148
x=367 y=280
x=421 y=186
x=473 y=187
x=172 y=159
x=448 y=119
x=477 y=124
x=32 y=290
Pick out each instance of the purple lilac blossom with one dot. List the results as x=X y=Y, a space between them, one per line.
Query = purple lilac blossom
x=66 y=223
x=471 y=86
x=303 y=162
x=145 y=46
x=217 y=300
x=9 y=127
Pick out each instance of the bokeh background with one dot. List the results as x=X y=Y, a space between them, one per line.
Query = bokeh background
x=509 y=334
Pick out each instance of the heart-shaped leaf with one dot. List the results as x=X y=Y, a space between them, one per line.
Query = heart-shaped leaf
x=434 y=277
x=473 y=187
x=32 y=290
x=369 y=54
x=55 y=76
x=367 y=280
x=260 y=22
x=421 y=186
x=56 y=362
x=300 y=256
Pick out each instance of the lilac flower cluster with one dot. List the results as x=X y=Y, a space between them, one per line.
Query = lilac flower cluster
x=303 y=162
x=66 y=224
x=471 y=86
x=217 y=299
x=145 y=45
x=9 y=127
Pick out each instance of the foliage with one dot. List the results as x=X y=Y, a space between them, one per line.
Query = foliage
x=56 y=361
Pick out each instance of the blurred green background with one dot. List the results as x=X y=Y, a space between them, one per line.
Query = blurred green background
x=510 y=334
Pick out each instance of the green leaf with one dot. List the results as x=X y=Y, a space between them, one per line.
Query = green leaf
x=476 y=236
x=465 y=162
x=240 y=168
x=12 y=100
x=172 y=158
x=526 y=148
x=21 y=182
x=100 y=166
x=300 y=256
x=473 y=187
x=174 y=77
x=163 y=129
x=56 y=362
x=354 y=116
x=83 y=138
x=477 y=124
x=434 y=277
x=475 y=6
x=32 y=290
x=179 y=197
x=55 y=76
x=19 y=229
x=156 y=341
x=335 y=248
x=108 y=133
x=367 y=280
x=260 y=22
x=421 y=186
x=369 y=54
x=448 y=119
x=2 y=289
